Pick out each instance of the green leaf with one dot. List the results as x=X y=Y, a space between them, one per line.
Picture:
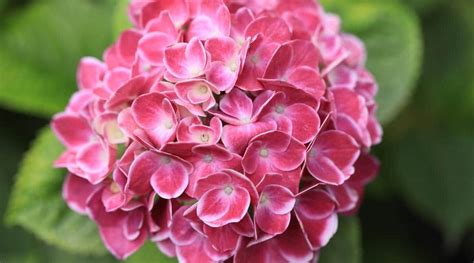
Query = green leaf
x=41 y=47
x=150 y=253
x=422 y=5
x=393 y=40
x=37 y=205
x=392 y=233
x=446 y=91
x=435 y=175
x=121 y=19
x=345 y=246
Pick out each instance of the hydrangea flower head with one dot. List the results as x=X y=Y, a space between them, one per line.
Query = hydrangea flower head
x=234 y=130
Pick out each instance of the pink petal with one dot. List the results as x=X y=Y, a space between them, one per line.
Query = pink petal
x=163 y=24
x=181 y=232
x=289 y=57
x=186 y=60
x=315 y=204
x=133 y=224
x=305 y=121
x=236 y=138
x=237 y=104
x=154 y=113
x=151 y=47
x=212 y=19
x=90 y=73
x=366 y=168
x=319 y=232
x=240 y=20
x=178 y=11
x=332 y=157
x=219 y=207
x=116 y=78
x=343 y=76
x=72 y=130
x=94 y=159
x=278 y=199
x=167 y=247
x=172 y=181
x=222 y=238
x=127 y=46
x=76 y=192
x=216 y=180
x=258 y=56
x=272 y=28
x=194 y=252
x=271 y=223
x=111 y=229
x=346 y=197
x=292 y=244
x=308 y=80
x=126 y=93
x=162 y=172
x=291 y=158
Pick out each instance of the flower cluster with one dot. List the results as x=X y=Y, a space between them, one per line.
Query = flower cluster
x=221 y=130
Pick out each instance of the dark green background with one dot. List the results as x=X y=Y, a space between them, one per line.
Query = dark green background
x=419 y=209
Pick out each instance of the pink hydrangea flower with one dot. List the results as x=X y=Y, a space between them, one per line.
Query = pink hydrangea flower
x=234 y=130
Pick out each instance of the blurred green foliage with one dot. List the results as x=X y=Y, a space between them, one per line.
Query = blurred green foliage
x=420 y=209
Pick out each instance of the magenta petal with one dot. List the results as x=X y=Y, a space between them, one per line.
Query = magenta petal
x=76 y=192
x=319 y=232
x=278 y=199
x=133 y=223
x=222 y=238
x=181 y=232
x=291 y=158
x=305 y=121
x=315 y=204
x=111 y=228
x=346 y=197
x=271 y=223
x=292 y=244
x=332 y=157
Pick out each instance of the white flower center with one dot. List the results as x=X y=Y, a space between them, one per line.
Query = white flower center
x=264 y=152
x=228 y=190
x=207 y=158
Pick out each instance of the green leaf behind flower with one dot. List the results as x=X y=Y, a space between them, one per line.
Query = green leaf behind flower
x=121 y=19
x=37 y=205
x=150 y=253
x=436 y=176
x=40 y=48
